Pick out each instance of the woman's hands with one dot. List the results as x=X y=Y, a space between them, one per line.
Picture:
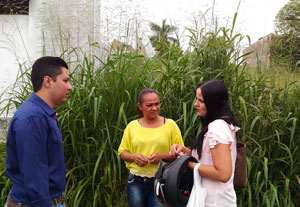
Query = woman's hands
x=178 y=150
x=155 y=157
x=140 y=159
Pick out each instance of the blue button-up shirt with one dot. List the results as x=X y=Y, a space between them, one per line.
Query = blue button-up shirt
x=35 y=158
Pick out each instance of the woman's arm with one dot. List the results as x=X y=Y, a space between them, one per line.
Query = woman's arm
x=222 y=166
x=139 y=159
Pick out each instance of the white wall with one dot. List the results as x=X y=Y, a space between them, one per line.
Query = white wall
x=54 y=26
x=13 y=49
x=13 y=45
x=20 y=43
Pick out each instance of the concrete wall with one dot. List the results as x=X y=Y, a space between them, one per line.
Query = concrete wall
x=20 y=43
x=13 y=46
x=261 y=51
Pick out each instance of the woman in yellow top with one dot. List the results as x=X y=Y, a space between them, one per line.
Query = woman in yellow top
x=145 y=141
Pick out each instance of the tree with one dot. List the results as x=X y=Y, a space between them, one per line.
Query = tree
x=161 y=37
x=287 y=20
x=286 y=47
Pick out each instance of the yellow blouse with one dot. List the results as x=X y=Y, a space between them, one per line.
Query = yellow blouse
x=141 y=140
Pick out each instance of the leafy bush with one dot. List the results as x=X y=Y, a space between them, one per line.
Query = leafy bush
x=285 y=51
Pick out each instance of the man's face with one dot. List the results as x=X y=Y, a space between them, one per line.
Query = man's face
x=60 y=89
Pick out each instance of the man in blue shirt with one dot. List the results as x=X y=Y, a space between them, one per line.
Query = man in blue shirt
x=35 y=159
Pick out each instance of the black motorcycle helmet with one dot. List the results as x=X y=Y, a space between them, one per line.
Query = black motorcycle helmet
x=174 y=181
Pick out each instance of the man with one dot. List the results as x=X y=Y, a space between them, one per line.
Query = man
x=35 y=159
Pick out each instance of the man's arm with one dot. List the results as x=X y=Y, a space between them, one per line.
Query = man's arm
x=31 y=141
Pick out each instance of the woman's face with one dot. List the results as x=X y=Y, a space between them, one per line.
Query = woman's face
x=199 y=104
x=150 y=106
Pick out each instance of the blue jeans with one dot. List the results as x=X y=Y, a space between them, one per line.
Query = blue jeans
x=59 y=205
x=140 y=192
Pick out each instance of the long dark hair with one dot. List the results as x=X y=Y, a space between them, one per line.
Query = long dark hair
x=215 y=97
x=140 y=99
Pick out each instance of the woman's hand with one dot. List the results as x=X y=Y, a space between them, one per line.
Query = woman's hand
x=178 y=150
x=140 y=159
x=155 y=158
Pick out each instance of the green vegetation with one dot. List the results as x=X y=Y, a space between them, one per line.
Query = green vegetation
x=285 y=52
x=20 y=7
x=277 y=75
x=288 y=18
x=285 y=48
x=4 y=182
x=104 y=101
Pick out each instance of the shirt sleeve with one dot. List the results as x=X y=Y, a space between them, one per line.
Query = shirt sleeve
x=219 y=132
x=31 y=141
x=125 y=143
x=176 y=135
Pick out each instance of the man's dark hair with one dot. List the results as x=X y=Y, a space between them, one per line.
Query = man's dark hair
x=46 y=66
x=215 y=97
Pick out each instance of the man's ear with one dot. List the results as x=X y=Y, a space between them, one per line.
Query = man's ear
x=47 y=81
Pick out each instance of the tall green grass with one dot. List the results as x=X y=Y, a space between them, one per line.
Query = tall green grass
x=104 y=100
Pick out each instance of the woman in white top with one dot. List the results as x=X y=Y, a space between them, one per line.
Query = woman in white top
x=215 y=147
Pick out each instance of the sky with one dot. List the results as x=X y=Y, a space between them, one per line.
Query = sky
x=255 y=17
